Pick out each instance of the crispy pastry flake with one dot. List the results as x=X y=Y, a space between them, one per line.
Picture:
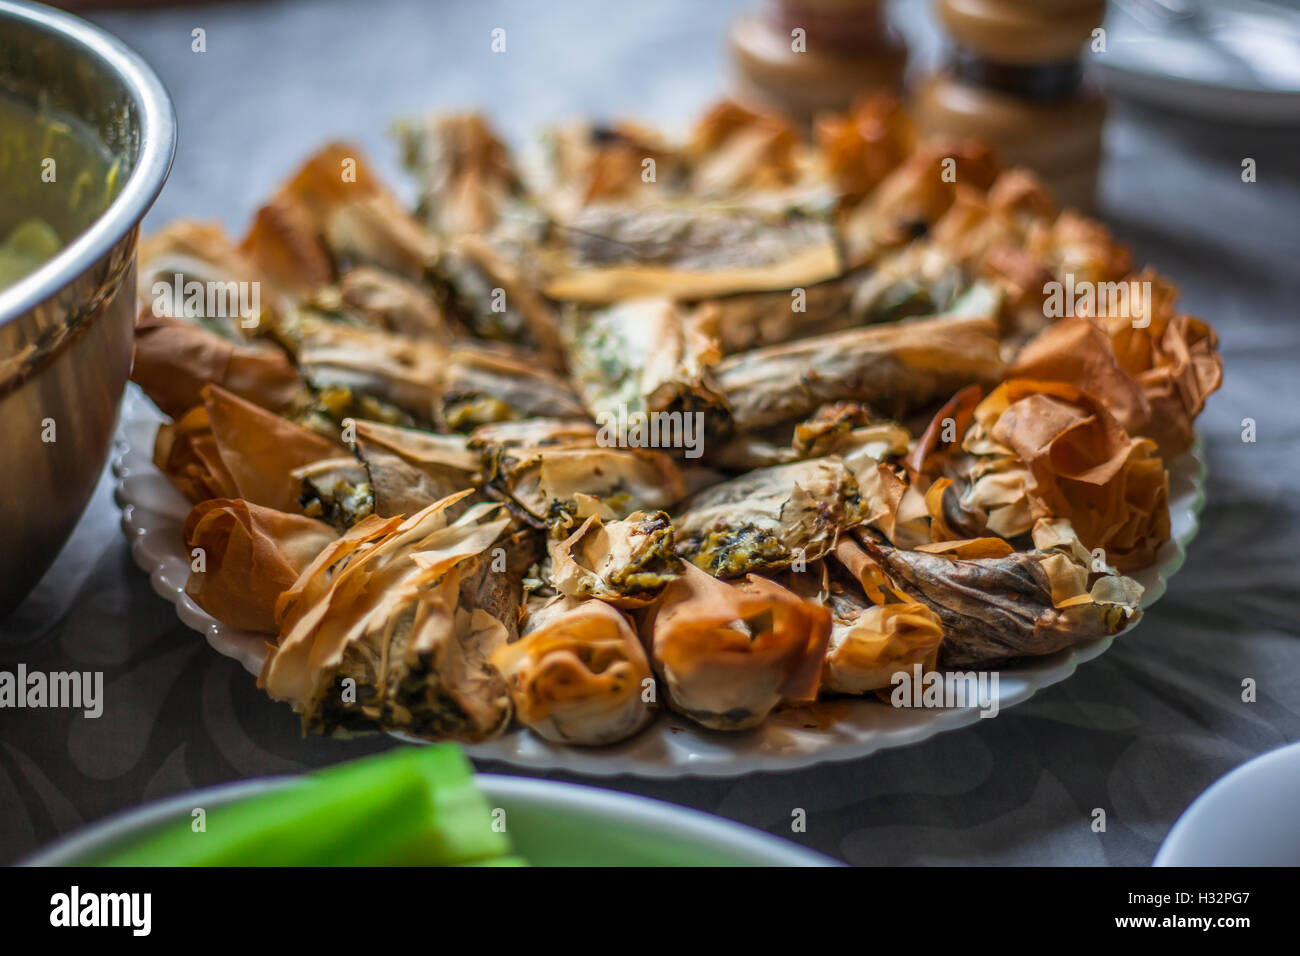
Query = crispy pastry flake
x=373 y=634
x=645 y=356
x=331 y=216
x=913 y=197
x=336 y=490
x=626 y=563
x=198 y=252
x=1078 y=351
x=734 y=149
x=870 y=643
x=186 y=452
x=769 y=518
x=729 y=653
x=752 y=320
x=466 y=175
x=579 y=673
x=578 y=164
x=456 y=388
x=863 y=146
x=379 y=300
x=1079 y=464
x=896 y=366
x=410 y=469
x=690 y=252
x=1174 y=359
x=231 y=448
x=251 y=555
x=174 y=359
x=543 y=472
x=1023 y=604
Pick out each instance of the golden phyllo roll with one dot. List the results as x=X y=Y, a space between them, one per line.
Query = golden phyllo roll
x=729 y=653
x=579 y=674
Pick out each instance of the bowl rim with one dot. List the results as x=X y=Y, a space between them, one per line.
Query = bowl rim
x=154 y=162
x=1182 y=845
x=739 y=842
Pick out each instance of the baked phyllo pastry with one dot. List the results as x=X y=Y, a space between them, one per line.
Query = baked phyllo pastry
x=728 y=653
x=717 y=422
x=578 y=675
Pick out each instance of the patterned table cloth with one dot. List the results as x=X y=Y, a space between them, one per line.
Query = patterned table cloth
x=1138 y=732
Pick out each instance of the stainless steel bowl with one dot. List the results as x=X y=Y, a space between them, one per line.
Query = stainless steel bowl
x=65 y=329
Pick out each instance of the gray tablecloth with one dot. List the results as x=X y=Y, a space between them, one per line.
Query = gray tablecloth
x=1138 y=732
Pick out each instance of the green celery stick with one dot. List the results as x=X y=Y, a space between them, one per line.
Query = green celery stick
x=411 y=806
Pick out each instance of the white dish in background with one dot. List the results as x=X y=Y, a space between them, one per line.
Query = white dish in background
x=153 y=513
x=1232 y=60
x=550 y=823
x=1251 y=817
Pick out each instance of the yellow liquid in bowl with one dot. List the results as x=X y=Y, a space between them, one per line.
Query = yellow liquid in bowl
x=55 y=180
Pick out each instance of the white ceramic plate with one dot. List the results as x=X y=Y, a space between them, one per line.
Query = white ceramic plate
x=1235 y=60
x=549 y=823
x=1251 y=817
x=153 y=513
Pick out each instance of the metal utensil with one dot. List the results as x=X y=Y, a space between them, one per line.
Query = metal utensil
x=65 y=329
